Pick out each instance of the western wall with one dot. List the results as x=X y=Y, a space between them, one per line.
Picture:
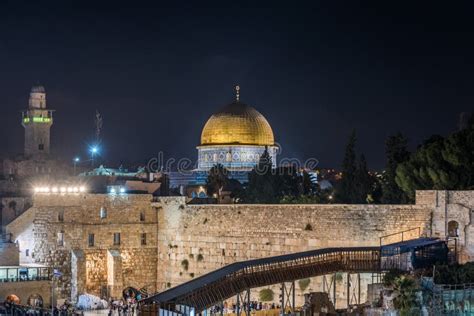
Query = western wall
x=184 y=241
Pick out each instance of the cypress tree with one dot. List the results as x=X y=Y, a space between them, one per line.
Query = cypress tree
x=396 y=153
x=261 y=187
x=363 y=180
x=346 y=192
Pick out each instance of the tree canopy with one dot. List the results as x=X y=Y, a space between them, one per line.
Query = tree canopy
x=356 y=184
x=396 y=152
x=216 y=180
x=440 y=164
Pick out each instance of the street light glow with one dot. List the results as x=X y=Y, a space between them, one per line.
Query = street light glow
x=56 y=189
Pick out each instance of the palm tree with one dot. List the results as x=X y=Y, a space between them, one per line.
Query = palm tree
x=405 y=287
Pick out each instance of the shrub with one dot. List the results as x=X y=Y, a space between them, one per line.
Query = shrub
x=266 y=295
x=185 y=264
x=456 y=274
x=191 y=275
x=308 y=227
x=200 y=257
x=304 y=283
x=390 y=277
x=191 y=256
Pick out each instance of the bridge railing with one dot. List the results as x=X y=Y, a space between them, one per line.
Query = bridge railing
x=268 y=271
x=405 y=235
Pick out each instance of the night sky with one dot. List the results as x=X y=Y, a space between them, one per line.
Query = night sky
x=315 y=71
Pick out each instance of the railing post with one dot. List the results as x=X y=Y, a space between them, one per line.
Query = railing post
x=248 y=303
x=293 y=299
x=282 y=301
x=358 y=282
x=238 y=304
x=348 y=289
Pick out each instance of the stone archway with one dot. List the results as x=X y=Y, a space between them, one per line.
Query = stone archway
x=12 y=298
x=35 y=300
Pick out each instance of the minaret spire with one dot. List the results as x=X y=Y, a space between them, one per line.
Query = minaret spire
x=237 y=93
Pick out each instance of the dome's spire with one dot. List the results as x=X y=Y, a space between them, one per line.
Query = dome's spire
x=237 y=93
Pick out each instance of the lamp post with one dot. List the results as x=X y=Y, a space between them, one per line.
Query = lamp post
x=94 y=150
x=75 y=160
x=56 y=274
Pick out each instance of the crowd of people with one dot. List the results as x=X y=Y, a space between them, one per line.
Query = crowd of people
x=125 y=307
x=232 y=308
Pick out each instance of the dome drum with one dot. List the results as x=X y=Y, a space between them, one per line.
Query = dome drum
x=233 y=157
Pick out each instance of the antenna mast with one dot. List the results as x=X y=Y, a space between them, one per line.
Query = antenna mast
x=98 y=122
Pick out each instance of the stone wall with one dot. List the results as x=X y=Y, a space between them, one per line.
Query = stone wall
x=12 y=207
x=59 y=224
x=26 y=289
x=31 y=167
x=9 y=254
x=185 y=241
x=454 y=208
x=196 y=239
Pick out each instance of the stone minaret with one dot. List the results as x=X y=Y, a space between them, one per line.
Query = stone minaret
x=37 y=121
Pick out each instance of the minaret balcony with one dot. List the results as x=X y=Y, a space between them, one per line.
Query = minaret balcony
x=37 y=116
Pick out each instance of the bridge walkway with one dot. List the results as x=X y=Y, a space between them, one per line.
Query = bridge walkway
x=212 y=288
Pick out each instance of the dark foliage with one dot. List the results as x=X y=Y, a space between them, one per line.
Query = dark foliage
x=440 y=164
x=396 y=152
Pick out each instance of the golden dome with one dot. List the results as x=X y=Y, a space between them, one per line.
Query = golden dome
x=237 y=124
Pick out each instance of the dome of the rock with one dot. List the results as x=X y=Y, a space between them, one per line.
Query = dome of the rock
x=237 y=124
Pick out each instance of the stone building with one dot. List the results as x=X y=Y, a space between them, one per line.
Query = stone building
x=36 y=160
x=103 y=243
x=235 y=136
x=37 y=121
x=12 y=207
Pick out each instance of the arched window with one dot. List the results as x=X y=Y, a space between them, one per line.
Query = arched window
x=453 y=229
x=35 y=300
